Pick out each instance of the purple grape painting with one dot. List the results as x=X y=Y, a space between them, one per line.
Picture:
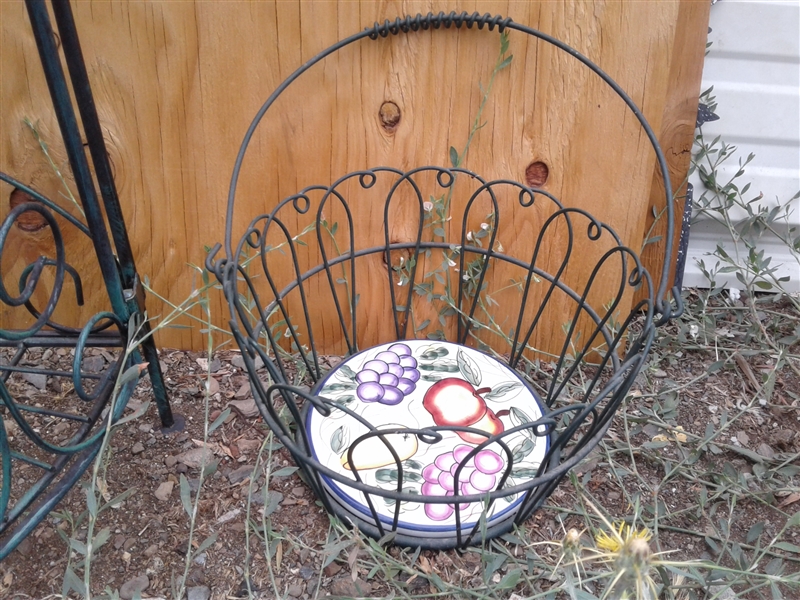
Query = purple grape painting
x=389 y=377
x=478 y=475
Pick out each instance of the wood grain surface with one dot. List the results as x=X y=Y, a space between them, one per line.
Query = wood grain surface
x=177 y=84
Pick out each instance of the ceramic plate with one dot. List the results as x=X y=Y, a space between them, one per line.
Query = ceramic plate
x=416 y=384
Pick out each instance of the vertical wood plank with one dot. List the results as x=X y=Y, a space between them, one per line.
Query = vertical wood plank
x=677 y=133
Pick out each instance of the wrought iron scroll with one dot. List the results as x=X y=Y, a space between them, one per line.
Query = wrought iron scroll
x=50 y=464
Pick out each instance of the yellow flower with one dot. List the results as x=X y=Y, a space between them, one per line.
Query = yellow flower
x=621 y=537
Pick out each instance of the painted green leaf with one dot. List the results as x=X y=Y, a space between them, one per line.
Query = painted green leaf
x=503 y=389
x=522 y=450
x=339 y=440
x=469 y=368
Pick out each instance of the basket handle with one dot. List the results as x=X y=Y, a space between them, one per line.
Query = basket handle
x=408 y=24
x=431 y=21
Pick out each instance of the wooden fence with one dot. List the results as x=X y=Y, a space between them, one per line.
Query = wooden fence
x=177 y=84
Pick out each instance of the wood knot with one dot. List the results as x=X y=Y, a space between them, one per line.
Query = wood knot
x=389 y=115
x=29 y=221
x=536 y=174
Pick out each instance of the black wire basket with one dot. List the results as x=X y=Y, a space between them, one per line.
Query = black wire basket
x=478 y=400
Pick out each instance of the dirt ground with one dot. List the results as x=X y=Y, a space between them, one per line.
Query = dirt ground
x=149 y=530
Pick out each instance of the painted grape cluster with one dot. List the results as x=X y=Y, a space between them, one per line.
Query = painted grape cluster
x=389 y=377
x=478 y=475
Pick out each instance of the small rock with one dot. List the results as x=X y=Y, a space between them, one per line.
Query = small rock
x=181 y=469
x=24 y=547
x=137 y=448
x=247 y=446
x=118 y=541
x=215 y=365
x=246 y=407
x=306 y=572
x=298 y=491
x=238 y=362
x=783 y=438
x=182 y=548
x=171 y=461
x=145 y=427
x=213 y=386
x=93 y=364
x=722 y=593
x=332 y=569
x=229 y=516
x=196 y=577
x=240 y=474
x=345 y=586
x=257 y=497
x=243 y=391
x=199 y=592
x=151 y=551
x=37 y=380
x=129 y=543
x=295 y=590
x=660 y=373
x=200 y=559
x=130 y=587
x=765 y=451
x=133 y=405
x=62 y=427
x=245 y=591
x=164 y=491
x=195 y=457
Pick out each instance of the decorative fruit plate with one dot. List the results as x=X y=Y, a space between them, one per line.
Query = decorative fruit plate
x=418 y=384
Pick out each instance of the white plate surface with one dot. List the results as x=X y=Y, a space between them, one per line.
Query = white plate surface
x=417 y=384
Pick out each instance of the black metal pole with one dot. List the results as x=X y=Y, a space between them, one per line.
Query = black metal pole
x=43 y=32
x=94 y=137
x=119 y=277
x=108 y=189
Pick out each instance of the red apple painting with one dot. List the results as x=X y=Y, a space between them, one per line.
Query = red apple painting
x=453 y=401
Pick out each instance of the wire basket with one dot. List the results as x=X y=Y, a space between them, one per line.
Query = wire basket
x=496 y=372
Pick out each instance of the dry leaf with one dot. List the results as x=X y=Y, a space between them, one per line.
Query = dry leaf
x=278 y=557
x=352 y=557
x=671 y=436
x=790 y=499
x=425 y=565
x=102 y=487
x=215 y=447
x=744 y=367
